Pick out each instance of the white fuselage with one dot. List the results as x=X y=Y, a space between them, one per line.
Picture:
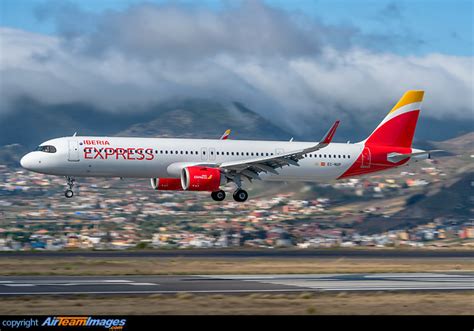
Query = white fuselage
x=163 y=157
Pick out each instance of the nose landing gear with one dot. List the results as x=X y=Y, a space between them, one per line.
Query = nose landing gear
x=70 y=184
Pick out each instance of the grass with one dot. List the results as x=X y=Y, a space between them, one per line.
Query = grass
x=191 y=265
x=382 y=303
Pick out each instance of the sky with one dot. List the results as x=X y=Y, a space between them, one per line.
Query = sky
x=441 y=26
x=294 y=61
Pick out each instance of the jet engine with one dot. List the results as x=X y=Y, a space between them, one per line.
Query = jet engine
x=166 y=184
x=197 y=178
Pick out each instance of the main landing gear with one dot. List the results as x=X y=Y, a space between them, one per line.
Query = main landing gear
x=70 y=184
x=218 y=195
x=239 y=195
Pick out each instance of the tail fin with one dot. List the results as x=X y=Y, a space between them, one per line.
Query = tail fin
x=398 y=127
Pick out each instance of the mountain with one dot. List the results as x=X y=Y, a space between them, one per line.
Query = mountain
x=460 y=145
x=32 y=123
x=199 y=118
x=29 y=122
x=450 y=201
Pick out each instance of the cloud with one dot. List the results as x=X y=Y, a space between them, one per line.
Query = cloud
x=290 y=68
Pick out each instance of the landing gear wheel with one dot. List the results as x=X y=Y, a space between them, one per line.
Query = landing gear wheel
x=218 y=195
x=240 y=195
x=70 y=184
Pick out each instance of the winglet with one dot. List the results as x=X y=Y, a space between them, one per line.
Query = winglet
x=225 y=135
x=325 y=141
x=328 y=137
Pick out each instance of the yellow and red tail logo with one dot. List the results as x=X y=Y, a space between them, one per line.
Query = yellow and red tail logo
x=393 y=135
x=226 y=134
x=398 y=127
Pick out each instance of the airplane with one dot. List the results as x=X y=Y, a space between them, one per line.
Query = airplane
x=208 y=164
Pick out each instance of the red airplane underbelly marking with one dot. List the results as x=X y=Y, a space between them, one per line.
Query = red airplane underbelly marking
x=373 y=159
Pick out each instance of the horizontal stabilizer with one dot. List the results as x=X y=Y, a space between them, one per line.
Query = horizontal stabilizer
x=397 y=157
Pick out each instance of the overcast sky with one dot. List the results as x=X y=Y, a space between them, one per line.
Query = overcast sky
x=292 y=61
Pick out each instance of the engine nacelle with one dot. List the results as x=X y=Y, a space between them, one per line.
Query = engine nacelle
x=166 y=184
x=201 y=179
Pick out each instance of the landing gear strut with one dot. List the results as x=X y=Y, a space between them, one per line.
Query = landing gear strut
x=240 y=195
x=218 y=195
x=70 y=184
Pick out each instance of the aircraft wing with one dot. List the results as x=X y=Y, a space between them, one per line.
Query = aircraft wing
x=251 y=168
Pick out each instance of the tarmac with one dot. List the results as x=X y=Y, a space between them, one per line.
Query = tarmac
x=227 y=284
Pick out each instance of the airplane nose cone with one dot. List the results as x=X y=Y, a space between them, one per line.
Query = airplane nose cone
x=27 y=161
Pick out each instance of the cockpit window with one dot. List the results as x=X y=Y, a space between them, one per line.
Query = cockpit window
x=47 y=149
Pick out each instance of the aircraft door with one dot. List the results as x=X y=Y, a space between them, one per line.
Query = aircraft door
x=279 y=151
x=366 y=158
x=73 y=154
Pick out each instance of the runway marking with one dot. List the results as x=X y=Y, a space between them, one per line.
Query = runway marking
x=420 y=275
x=159 y=292
x=61 y=282
x=362 y=282
x=242 y=284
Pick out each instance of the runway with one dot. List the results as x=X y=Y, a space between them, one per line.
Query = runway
x=136 y=285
